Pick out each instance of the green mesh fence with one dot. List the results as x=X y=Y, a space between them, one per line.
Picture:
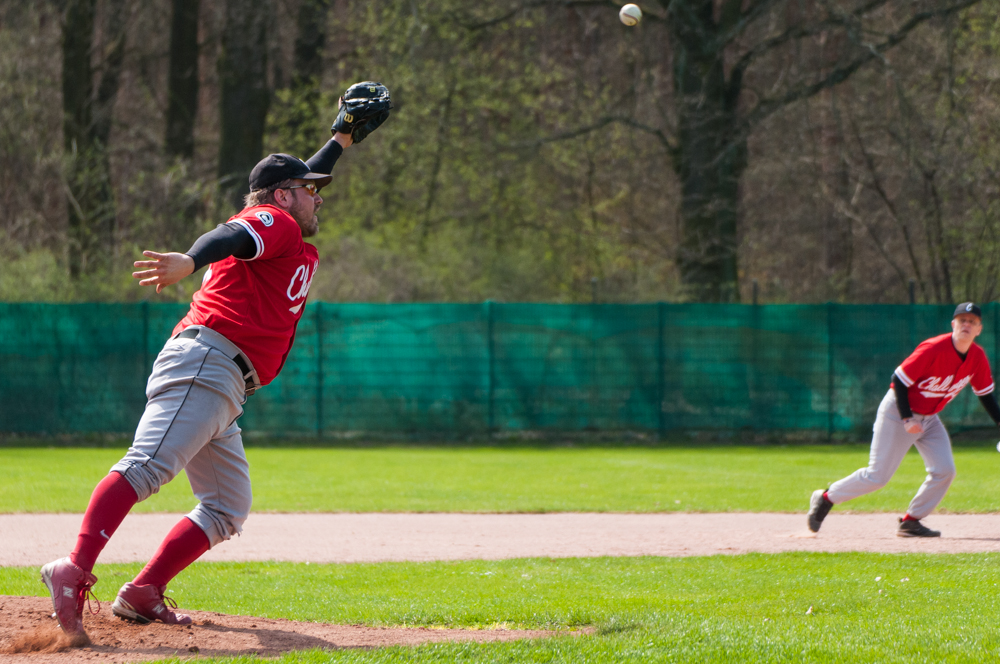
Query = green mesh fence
x=470 y=368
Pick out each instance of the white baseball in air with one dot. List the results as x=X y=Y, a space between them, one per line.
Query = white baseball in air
x=998 y=447
x=630 y=14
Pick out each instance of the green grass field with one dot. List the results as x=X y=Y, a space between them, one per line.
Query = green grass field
x=694 y=479
x=752 y=608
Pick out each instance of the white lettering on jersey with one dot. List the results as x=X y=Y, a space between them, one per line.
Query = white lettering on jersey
x=298 y=288
x=208 y=275
x=301 y=278
x=937 y=388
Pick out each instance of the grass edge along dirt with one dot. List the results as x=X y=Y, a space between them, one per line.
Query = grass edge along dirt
x=844 y=607
x=515 y=480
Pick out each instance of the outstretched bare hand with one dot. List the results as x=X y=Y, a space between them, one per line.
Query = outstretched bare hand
x=166 y=269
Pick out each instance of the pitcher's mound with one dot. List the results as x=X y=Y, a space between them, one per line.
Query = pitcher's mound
x=29 y=635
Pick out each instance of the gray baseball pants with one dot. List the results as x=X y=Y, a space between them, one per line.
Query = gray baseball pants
x=195 y=394
x=890 y=443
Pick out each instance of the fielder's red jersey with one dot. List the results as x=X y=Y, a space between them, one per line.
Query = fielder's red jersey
x=257 y=302
x=935 y=373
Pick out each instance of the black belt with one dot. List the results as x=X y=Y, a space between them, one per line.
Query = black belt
x=240 y=361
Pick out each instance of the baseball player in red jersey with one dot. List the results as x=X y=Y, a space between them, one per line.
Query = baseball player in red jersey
x=233 y=341
x=921 y=387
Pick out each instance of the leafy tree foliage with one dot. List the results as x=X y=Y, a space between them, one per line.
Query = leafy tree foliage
x=538 y=150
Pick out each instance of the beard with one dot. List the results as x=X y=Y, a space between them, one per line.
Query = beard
x=306 y=219
x=310 y=228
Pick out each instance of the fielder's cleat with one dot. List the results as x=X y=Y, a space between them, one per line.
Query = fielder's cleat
x=69 y=587
x=819 y=507
x=913 y=528
x=144 y=604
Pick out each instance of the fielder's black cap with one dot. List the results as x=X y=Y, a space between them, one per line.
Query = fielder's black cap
x=274 y=168
x=968 y=308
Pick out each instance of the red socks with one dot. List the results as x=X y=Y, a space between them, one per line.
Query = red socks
x=185 y=543
x=827 y=498
x=909 y=518
x=109 y=504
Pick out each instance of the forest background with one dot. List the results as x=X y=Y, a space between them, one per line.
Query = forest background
x=539 y=150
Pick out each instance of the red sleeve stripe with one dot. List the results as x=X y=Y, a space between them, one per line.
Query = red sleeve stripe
x=983 y=392
x=258 y=240
x=907 y=381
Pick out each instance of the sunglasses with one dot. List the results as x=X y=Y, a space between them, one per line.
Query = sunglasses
x=311 y=188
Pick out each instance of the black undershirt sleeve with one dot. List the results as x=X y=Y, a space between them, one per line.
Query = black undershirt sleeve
x=234 y=240
x=324 y=160
x=989 y=402
x=902 y=398
x=225 y=241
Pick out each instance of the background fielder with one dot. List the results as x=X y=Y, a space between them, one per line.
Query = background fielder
x=921 y=387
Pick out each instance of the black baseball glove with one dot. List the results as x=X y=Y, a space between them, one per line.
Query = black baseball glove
x=363 y=108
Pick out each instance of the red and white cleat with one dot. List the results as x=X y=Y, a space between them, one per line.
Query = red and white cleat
x=69 y=587
x=144 y=604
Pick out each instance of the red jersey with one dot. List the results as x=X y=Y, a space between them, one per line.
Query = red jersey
x=257 y=302
x=935 y=373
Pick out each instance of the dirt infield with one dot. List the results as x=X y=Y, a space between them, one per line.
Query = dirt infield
x=28 y=635
x=34 y=539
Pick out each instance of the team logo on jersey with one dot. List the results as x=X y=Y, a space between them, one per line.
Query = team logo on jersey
x=937 y=388
x=265 y=217
x=298 y=288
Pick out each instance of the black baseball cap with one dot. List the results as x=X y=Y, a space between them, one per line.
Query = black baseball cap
x=275 y=168
x=968 y=308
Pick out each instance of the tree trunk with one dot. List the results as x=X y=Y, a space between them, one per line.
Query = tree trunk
x=837 y=236
x=710 y=151
x=709 y=159
x=86 y=126
x=114 y=55
x=77 y=76
x=245 y=95
x=182 y=86
x=310 y=42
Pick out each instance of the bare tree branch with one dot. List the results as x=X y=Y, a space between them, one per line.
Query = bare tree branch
x=876 y=185
x=667 y=142
x=842 y=73
x=802 y=32
x=845 y=210
x=534 y=4
x=751 y=14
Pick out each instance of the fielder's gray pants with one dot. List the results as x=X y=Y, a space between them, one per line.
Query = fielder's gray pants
x=890 y=443
x=195 y=394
